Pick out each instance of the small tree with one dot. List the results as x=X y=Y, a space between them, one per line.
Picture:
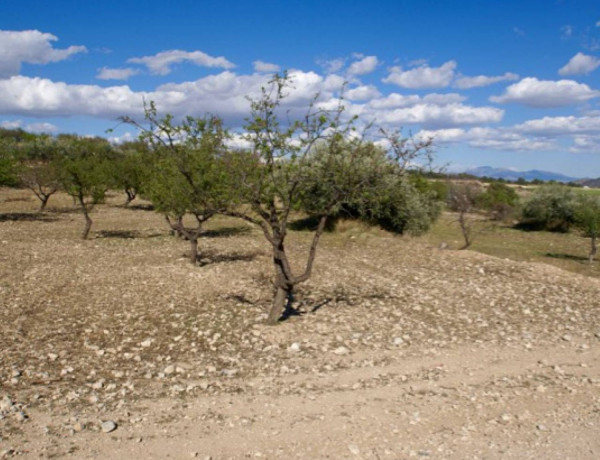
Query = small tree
x=317 y=164
x=587 y=219
x=84 y=168
x=39 y=169
x=130 y=170
x=550 y=207
x=185 y=171
x=462 y=199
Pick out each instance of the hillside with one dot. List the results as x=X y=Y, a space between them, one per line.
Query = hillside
x=402 y=349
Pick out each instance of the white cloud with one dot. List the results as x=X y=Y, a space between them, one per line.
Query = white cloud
x=364 y=66
x=430 y=115
x=545 y=93
x=362 y=93
x=580 y=64
x=332 y=65
x=483 y=80
x=585 y=144
x=160 y=63
x=558 y=126
x=261 y=66
x=30 y=46
x=106 y=73
x=489 y=138
x=395 y=100
x=422 y=76
x=126 y=137
x=32 y=127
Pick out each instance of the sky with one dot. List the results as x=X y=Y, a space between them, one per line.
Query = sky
x=513 y=84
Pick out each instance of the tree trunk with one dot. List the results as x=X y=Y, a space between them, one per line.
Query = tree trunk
x=464 y=228
x=193 y=250
x=88 y=224
x=278 y=306
x=593 y=249
x=130 y=197
x=44 y=201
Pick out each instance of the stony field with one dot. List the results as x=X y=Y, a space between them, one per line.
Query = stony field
x=118 y=347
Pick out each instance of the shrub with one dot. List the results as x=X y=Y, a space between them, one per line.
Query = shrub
x=550 y=207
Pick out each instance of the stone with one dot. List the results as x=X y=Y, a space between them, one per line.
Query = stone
x=353 y=448
x=78 y=427
x=108 y=426
x=170 y=369
x=294 y=347
x=341 y=351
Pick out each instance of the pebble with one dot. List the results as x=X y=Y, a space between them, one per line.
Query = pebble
x=294 y=347
x=108 y=426
x=353 y=448
x=341 y=351
x=170 y=369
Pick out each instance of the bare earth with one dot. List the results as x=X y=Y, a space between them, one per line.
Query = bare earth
x=404 y=350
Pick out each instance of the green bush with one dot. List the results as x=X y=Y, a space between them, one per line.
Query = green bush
x=500 y=200
x=550 y=207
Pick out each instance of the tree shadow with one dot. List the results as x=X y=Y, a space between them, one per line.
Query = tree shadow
x=124 y=234
x=225 y=231
x=138 y=207
x=213 y=257
x=26 y=217
x=556 y=255
x=310 y=224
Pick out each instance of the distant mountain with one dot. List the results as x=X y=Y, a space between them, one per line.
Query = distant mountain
x=593 y=183
x=512 y=175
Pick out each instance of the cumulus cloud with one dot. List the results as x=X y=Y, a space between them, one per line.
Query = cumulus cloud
x=558 y=126
x=483 y=80
x=505 y=139
x=30 y=46
x=430 y=115
x=366 y=65
x=261 y=66
x=585 y=144
x=545 y=93
x=422 y=76
x=161 y=63
x=362 y=93
x=223 y=94
x=580 y=64
x=395 y=100
x=106 y=73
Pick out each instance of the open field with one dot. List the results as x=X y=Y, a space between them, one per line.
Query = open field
x=402 y=350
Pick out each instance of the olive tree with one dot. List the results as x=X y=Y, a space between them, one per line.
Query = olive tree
x=84 y=172
x=316 y=163
x=587 y=219
x=550 y=207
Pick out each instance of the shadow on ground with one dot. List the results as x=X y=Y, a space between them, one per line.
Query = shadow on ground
x=26 y=217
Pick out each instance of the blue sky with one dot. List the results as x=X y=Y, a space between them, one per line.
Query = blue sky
x=500 y=83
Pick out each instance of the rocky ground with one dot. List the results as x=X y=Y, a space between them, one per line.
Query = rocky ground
x=117 y=347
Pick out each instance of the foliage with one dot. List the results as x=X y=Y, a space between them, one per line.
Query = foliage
x=84 y=171
x=550 y=207
x=9 y=167
x=184 y=170
x=130 y=168
x=500 y=200
x=587 y=219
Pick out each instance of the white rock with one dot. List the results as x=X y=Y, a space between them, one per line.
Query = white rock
x=170 y=369
x=341 y=351
x=354 y=449
x=294 y=347
x=108 y=426
x=146 y=343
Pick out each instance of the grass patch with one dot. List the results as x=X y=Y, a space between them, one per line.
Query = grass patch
x=568 y=251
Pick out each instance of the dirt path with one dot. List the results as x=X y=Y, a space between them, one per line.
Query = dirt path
x=483 y=402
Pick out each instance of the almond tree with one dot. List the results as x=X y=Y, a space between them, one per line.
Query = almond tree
x=84 y=167
x=317 y=164
x=184 y=174
x=39 y=169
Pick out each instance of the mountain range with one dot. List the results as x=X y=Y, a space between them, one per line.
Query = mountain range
x=512 y=175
